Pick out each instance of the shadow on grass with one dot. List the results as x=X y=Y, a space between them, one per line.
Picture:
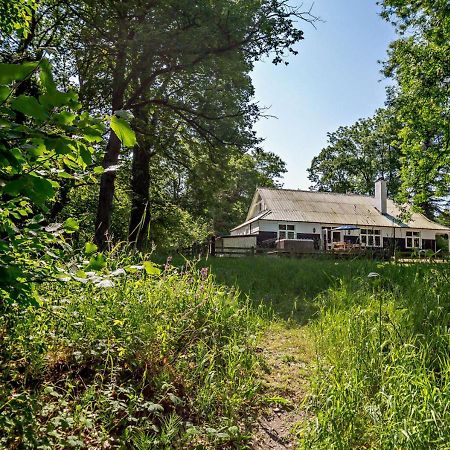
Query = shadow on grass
x=286 y=287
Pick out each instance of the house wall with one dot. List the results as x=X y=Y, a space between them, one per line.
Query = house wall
x=428 y=236
x=300 y=227
x=268 y=229
x=241 y=231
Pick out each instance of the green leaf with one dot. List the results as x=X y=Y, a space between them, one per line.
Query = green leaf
x=62 y=145
x=58 y=99
x=71 y=225
x=64 y=118
x=98 y=170
x=29 y=106
x=123 y=131
x=37 y=148
x=16 y=72
x=42 y=190
x=38 y=189
x=90 y=248
x=4 y=92
x=150 y=268
x=85 y=154
x=96 y=262
x=93 y=134
x=46 y=77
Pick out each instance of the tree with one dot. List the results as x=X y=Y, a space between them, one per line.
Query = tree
x=358 y=155
x=418 y=62
x=43 y=140
x=156 y=55
x=223 y=193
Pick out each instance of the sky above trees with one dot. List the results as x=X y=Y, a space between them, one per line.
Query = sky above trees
x=334 y=80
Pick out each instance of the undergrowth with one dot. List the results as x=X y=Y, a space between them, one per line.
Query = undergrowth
x=154 y=362
x=171 y=360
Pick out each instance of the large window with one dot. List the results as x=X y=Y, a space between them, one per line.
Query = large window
x=370 y=237
x=413 y=239
x=286 y=231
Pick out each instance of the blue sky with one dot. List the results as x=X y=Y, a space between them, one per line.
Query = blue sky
x=334 y=80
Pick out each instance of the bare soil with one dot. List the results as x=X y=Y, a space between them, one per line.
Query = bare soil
x=288 y=354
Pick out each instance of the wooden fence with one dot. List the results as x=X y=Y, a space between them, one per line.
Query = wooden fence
x=210 y=249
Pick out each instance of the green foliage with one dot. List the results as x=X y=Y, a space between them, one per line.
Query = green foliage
x=43 y=146
x=37 y=152
x=357 y=155
x=123 y=131
x=172 y=227
x=159 y=361
x=15 y=17
x=418 y=62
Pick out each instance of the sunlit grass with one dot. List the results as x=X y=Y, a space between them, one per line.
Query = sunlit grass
x=174 y=361
x=382 y=377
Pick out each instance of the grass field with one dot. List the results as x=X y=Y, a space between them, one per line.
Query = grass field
x=188 y=359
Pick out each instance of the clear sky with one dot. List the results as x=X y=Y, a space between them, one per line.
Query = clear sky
x=334 y=80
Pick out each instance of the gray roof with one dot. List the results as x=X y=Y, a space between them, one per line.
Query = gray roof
x=330 y=208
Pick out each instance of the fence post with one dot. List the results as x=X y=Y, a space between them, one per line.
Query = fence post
x=212 y=246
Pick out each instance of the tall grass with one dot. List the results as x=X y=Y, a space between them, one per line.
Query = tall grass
x=383 y=367
x=171 y=361
x=155 y=362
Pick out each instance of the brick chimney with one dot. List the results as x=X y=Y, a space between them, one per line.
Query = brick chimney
x=381 y=195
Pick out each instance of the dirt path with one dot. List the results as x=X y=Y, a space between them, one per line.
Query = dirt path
x=288 y=354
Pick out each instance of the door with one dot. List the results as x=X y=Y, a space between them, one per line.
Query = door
x=336 y=236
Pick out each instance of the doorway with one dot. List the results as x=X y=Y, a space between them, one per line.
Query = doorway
x=336 y=236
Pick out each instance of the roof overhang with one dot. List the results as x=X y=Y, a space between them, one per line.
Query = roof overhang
x=248 y=222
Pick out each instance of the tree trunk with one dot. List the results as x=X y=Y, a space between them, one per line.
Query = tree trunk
x=111 y=158
x=140 y=185
x=106 y=194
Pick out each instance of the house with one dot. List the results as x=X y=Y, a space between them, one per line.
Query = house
x=321 y=220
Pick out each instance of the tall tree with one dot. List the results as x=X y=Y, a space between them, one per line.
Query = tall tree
x=419 y=63
x=357 y=155
x=152 y=55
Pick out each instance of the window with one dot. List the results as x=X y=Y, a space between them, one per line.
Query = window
x=370 y=238
x=413 y=239
x=286 y=231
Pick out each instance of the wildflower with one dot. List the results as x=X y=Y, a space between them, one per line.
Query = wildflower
x=117 y=272
x=204 y=273
x=105 y=284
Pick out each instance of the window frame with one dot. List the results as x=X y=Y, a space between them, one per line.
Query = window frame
x=286 y=231
x=370 y=237
x=413 y=237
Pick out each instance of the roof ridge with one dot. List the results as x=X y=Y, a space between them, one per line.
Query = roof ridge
x=350 y=194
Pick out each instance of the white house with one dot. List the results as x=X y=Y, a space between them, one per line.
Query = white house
x=324 y=219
